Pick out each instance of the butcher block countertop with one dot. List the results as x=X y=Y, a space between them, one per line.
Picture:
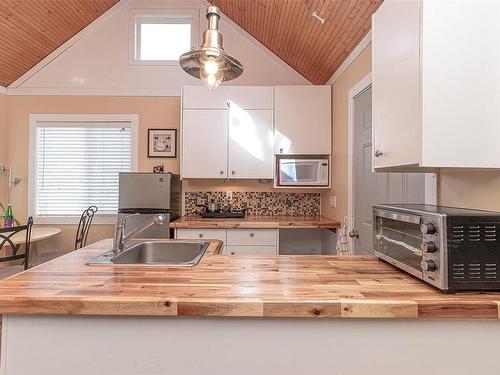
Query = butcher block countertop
x=195 y=221
x=232 y=286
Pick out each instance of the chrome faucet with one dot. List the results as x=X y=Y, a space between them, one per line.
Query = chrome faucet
x=119 y=238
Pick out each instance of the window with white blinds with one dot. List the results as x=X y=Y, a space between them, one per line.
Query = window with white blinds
x=77 y=164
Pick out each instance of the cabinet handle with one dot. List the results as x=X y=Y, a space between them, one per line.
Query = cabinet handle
x=232 y=252
x=378 y=153
x=228 y=104
x=233 y=172
x=251 y=234
x=200 y=235
x=221 y=172
x=281 y=150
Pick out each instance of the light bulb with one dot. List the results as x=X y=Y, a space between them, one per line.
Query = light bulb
x=211 y=81
x=211 y=67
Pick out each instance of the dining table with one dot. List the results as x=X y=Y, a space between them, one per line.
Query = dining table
x=38 y=233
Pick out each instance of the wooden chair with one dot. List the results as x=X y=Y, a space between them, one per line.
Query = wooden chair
x=84 y=226
x=9 y=245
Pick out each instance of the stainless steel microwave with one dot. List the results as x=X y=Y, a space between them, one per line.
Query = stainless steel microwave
x=303 y=172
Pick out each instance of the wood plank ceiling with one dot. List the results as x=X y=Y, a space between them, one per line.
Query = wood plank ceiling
x=287 y=28
x=31 y=29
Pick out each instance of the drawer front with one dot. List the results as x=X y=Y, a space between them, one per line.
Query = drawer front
x=251 y=250
x=206 y=234
x=251 y=237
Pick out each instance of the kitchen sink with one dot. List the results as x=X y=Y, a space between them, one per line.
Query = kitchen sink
x=175 y=253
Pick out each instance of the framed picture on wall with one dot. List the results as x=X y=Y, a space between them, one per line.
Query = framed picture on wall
x=162 y=143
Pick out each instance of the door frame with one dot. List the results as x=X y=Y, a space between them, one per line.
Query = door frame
x=430 y=178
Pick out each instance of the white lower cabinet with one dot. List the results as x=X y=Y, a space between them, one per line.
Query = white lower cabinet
x=237 y=241
x=251 y=237
x=201 y=234
x=250 y=250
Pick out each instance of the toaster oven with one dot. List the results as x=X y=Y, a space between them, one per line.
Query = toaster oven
x=450 y=248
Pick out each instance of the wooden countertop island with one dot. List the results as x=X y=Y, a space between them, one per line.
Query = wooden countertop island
x=252 y=286
x=195 y=221
x=226 y=316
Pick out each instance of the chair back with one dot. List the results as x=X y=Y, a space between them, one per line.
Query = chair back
x=84 y=226
x=7 y=239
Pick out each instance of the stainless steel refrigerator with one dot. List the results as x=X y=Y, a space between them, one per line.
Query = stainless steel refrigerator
x=148 y=194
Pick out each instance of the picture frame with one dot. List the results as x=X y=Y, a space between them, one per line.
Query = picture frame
x=162 y=143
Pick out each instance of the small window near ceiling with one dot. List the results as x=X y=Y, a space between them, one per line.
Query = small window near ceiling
x=162 y=38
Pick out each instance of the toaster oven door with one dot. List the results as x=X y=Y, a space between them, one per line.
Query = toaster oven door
x=398 y=239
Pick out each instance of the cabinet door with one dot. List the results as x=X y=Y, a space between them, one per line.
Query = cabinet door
x=303 y=119
x=245 y=97
x=396 y=86
x=204 y=143
x=250 y=143
x=251 y=250
x=461 y=84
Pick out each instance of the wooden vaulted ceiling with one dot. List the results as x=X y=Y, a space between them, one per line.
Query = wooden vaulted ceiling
x=31 y=29
x=287 y=28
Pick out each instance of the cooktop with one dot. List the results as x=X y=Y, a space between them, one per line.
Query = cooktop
x=224 y=214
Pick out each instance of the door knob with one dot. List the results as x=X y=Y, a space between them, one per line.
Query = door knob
x=378 y=153
x=354 y=234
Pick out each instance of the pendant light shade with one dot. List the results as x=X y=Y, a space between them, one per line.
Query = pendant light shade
x=210 y=63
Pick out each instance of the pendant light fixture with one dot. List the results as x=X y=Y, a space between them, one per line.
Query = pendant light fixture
x=210 y=63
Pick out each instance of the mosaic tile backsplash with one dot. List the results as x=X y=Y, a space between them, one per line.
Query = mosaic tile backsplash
x=257 y=203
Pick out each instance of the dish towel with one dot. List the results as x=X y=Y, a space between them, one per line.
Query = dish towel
x=343 y=247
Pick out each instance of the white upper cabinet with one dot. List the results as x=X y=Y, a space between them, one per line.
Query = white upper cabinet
x=204 y=143
x=244 y=97
x=436 y=80
x=227 y=133
x=302 y=119
x=395 y=87
x=251 y=143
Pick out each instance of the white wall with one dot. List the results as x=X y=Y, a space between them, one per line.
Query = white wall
x=99 y=61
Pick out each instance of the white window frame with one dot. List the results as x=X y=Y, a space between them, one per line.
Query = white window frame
x=36 y=120
x=156 y=15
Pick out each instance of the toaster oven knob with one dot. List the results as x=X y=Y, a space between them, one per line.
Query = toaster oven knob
x=428 y=228
x=428 y=247
x=428 y=265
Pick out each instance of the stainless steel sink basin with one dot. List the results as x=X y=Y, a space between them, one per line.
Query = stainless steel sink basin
x=176 y=253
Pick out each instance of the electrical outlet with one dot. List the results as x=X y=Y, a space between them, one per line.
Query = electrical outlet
x=229 y=195
x=333 y=201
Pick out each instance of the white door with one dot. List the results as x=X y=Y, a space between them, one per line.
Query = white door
x=303 y=119
x=250 y=143
x=370 y=187
x=204 y=143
